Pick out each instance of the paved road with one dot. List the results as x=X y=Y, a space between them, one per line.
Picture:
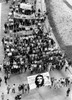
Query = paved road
x=44 y=93
x=67 y=48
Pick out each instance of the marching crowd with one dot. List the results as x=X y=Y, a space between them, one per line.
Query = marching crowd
x=62 y=82
x=35 y=52
x=28 y=52
x=17 y=20
x=18 y=91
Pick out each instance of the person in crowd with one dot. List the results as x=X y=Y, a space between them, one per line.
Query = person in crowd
x=0 y=67
x=13 y=88
x=23 y=1
x=28 y=88
x=25 y=88
x=68 y=92
x=67 y=81
x=18 y=97
x=52 y=81
x=25 y=67
x=66 y=68
x=8 y=89
x=2 y=96
x=0 y=81
x=7 y=1
x=13 y=2
x=6 y=79
x=62 y=81
x=21 y=88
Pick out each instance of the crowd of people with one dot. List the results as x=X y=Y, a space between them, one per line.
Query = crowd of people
x=28 y=51
x=62 y=82
x=20 y=90
x=35 y=52
x=17 y=21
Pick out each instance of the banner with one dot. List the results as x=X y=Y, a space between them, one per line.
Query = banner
x=22 y=16
x=38 y=80
x=26 y=6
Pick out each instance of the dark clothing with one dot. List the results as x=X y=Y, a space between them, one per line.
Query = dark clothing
x=67 y=81
x=0 y=81
x=28 y=88
x=66 y=69
x=8 y=90
x=68 y=91
x=5 y=78
x=6 y=1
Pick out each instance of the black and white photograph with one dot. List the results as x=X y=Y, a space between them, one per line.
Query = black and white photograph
x=35 y=49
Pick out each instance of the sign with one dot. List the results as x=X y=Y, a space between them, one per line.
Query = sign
x=25 y=6
x=38 y=80
x=23 y=16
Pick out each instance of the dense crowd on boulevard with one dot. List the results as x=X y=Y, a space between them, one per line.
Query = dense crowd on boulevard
x=35 y=52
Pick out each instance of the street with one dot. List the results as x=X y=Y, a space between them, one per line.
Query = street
x=43 y=93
